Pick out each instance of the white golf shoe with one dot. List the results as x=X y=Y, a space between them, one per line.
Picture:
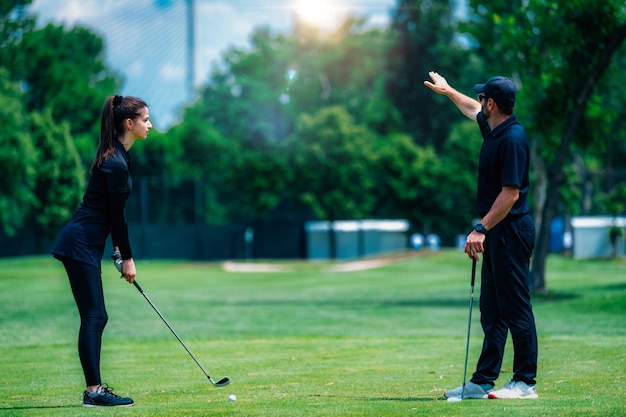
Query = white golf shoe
x=515 y=389
x=472 y=390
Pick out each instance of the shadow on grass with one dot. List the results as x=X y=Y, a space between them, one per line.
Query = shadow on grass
x=549 y=297
x=611 y=287
x=367 y=302
x=552 y=296
x=39 y=407
x=404 y=399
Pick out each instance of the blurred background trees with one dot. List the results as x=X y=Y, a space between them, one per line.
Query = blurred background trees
x=331 y=125
x=563 y=53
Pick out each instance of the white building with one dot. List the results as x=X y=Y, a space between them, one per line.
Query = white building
x=591 y=237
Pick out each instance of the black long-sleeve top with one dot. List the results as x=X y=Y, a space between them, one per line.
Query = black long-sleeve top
x=100 y=213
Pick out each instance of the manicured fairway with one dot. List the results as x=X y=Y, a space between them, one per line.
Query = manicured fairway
x=308 y=341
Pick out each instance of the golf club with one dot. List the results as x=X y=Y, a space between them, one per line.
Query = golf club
x=469 y=325
x=117 y=259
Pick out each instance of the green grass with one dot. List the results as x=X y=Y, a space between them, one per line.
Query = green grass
x=381 y=342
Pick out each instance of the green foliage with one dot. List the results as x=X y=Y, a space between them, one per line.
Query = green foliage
x=325 y=98
x=160 y=155
x=411 y=178
x=242 y=101
x=13 y=22
x=333 y=159
x=63 y=82
x=537 y=42
x=211 y=157
x=60 y=173
x=17 y=159
x=259 y=183
x=557 y=51
x=408 y=177
x=259 y=94
x=258 y=100
x=239 y=182
x=64 y=70
x=615 y=200
x=161 y=173
x=17 y=156
x=607 y=115
x=571 y=193
x=460 y=174
x=425 y=38
x=350 y=69
x=339 y=123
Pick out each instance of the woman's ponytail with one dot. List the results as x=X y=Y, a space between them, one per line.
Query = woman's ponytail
x=116 y=110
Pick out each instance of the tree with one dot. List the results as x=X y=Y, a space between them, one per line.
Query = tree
x=435 y=192
x=63 y=83
x=60 y=173
x=425 y=38
x=333 y=159
x=257 y=95
x=17 y=159
x=615 y=202
x=255 y=100
x=562 y=49
x=604 y=163
x=240 y=183
x=459 y=161
x=408 y=177
x=14 y=21
x=347 y=68
x=160 y=170
x=64 y=70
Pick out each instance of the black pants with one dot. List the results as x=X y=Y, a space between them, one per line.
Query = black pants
x=505 y=302
x=86 y=283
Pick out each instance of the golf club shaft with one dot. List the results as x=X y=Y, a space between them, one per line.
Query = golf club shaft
x=469 y=325
x=172 y=330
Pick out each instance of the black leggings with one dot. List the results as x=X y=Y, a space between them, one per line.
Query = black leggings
x=86 y=283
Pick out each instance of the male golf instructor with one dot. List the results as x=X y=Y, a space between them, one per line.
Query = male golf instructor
x=505 y=236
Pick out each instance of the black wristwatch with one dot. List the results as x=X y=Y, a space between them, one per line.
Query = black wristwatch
x=480 y=229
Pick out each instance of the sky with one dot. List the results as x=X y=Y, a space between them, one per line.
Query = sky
x=146 y=40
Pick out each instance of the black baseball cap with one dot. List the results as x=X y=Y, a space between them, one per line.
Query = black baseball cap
x=500 y=89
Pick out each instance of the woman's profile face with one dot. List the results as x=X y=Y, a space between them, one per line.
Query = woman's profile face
x=140 y=126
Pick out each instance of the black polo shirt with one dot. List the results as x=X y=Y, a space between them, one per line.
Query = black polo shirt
x=504 y=160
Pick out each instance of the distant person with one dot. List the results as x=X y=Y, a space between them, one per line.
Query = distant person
x=81 y=243
x=506 y=237
x=568 y=241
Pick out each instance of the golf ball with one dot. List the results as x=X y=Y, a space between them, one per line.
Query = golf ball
x=454 y=399
x=232 y=397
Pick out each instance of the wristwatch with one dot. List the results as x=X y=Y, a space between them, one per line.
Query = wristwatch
x=480 y=228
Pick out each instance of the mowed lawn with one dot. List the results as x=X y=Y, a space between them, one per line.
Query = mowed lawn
x=306 y=341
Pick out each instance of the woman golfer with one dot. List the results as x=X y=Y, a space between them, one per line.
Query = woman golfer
x=80 y=245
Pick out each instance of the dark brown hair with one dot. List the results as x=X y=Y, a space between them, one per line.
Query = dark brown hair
x=116 y=110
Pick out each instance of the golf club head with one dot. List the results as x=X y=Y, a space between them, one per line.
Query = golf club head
x=221 y=383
